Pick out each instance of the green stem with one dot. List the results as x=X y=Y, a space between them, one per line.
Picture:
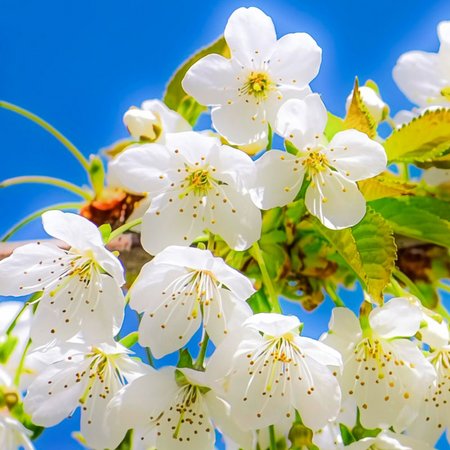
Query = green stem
x=255 y=251
x=202 y=353
x=125 y=227
x=398 y=290
x=331 y=291
x=53 y=131
x=442 y=310
x=149 y=356
x=273 y=439
x=16 y=319
x=21 y=364
x=407 y=282
x=50 y=181
x=37 y=214
x=443 y=286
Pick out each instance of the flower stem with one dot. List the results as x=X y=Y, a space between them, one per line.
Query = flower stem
x=49 y=128
x=331 y=291
x=202 y=353
x=21 y=364
x=37 y=214
x=149 y=356
x=47 y=180
x=408 y=283
x=125 y=227
x=255 y=251
x=16 y=319
x=273 y=439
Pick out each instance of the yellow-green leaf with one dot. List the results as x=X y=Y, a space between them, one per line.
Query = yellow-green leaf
x=369 y=249
x=424 y=139
x=176 y=97
x=334 y=125
x=384 y=185
x=358 y=117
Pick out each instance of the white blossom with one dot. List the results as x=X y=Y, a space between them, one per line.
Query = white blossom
x=267 y=371
x=247 y=90
x=80 y=375
x=80 y=286
x=153 y=120
x=180 y=287
x=387 y=440
x=195 y=184
x=425 y=77
x=174 y=409
x=332 y=168
x=384 y=371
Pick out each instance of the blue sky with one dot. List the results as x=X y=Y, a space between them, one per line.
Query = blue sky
x=81 y=64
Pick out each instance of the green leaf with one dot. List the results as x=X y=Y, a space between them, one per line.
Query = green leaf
x=105 y=231
x=334 y=125
x=130 y=339
x=369 y=250
x=259 y=302
x=424 y=139
x=384 y=185
x=7 y=347
x=358 y=117
x=416 y=218
x=176 y=97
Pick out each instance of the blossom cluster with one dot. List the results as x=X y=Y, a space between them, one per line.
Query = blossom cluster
x=377 y=380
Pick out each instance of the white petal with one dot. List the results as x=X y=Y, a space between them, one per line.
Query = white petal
x=55 y=393
x=240 y=122
x=275 y=325
x=296 y=59
x=234 y=280
x=334 y=200
x=194 y=147
x=301 y=121
x=318 y=351
x=250 y=34
x=77 y=231
x=140 y=168
x=172 y=122
x=282 y=189
x=317 y=396
x=187 y=257
x=223 y=313
x=219 y=411
x=416 y=74
x=407 y=318
x=29 y=269
x=140 y=124
x=355 y=155
x=171 y=223
x=109 y=263
x=235 y=218
x=213 y=80
x=344 y=331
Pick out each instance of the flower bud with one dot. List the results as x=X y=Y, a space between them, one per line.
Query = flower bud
x=372 y=101
x=142 y=124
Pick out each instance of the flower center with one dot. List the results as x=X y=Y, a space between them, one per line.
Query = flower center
x=198 y=181
x=258 y=85
x=315 y=162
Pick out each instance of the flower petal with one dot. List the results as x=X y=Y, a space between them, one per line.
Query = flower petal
x=416 y=74
x=334 y=200
x=275 y=325
x=355 y=155
x=319 y=351
x=140 y=168
x=251 y=36
x=407 y=318
x=213 y=80
x=77 y=231
x=296 y=59
x=172 y=122
x=270 y=191
x=302 y=121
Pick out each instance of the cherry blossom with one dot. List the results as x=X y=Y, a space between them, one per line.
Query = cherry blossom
x=332 y=169
x=247 y=90
x=384 y=371
x=425 y=77
x=80 y=286
x=174 y=409
x=13 y=435
x=80 y=375
x=153 y=121
x=179 y=287
x=387 y=440
x=267 y=371
x=195 y=184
